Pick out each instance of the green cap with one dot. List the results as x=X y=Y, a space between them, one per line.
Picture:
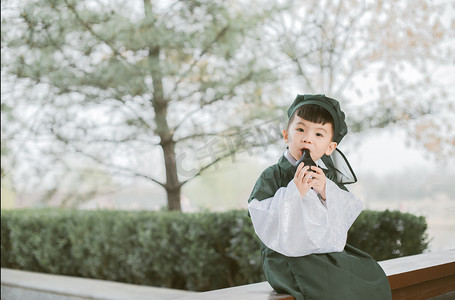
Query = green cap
x=331 y=105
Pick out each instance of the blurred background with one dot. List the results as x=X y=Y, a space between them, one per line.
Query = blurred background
x=180 y=105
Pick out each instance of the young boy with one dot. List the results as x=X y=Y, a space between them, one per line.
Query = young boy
x=302 y=217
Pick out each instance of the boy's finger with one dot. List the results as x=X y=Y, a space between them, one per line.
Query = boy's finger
x=317 y=175
x=299 y=168
x=302 y=173
x=308 y=174
x=311 y=182
x=317 y=170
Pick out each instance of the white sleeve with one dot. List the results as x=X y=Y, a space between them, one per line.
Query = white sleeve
x=342 y=208
x=296 y=226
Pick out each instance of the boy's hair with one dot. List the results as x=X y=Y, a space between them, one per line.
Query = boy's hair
x=314 y=113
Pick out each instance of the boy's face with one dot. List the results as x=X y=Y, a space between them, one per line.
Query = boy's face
x=302 y=134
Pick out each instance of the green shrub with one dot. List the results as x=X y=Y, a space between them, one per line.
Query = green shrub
x=389 y=234
x=200 y=251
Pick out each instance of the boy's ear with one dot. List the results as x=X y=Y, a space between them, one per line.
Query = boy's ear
x=285 y=136
x=332 y=146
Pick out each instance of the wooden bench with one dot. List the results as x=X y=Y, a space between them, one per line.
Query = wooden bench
x=261 y=290
x=421 y=276
x=413 y=277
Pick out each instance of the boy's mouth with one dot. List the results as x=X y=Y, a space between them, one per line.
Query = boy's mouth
x=302 y=150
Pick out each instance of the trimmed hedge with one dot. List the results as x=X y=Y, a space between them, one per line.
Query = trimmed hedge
x=389 y=234
x=198 y=251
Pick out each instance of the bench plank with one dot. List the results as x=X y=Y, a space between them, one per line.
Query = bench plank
x=256 y=291
x=420 y=276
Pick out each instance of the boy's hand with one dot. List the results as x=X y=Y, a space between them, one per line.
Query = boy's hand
x=302 y=179
x=318 y=181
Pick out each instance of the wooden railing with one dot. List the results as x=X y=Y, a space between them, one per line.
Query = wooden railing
x=413 y=277
x=421 y=276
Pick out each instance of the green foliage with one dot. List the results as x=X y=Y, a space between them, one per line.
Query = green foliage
x=104 y=80
x=200 y=251
x=389 y=234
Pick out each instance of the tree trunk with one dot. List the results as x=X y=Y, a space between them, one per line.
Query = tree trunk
x=173 y=199
x=167 y=143
x=173 y=186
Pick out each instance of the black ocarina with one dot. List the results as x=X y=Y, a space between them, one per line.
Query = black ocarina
x=306 y=159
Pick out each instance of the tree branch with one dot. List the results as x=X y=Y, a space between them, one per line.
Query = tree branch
x=90 y=29
x=232 y=152
x=301 y=72
x=220 y=158
x=197 y=135
x=216 y=98
x=121 y=169
x=203 y=52
x=100 y=39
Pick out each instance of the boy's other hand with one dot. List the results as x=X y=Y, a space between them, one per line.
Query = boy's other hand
x=302 y=179
x=318 y=181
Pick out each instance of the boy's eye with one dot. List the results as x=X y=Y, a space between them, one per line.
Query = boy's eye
x=319 y=134
x=299 y=129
